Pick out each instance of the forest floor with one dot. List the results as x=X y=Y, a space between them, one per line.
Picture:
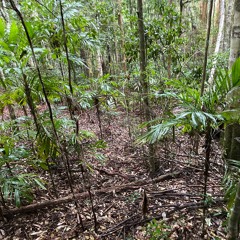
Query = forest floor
x=116 y=188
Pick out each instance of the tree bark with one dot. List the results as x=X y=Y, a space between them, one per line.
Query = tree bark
x=232 y=131
x=153 y=164
x=231 y=145
x=233 y=232
x=219 y=39
x=235 y=35
x=216 y=12
x=206 y=48
x=122 y=41
x=203 y=9
x=228 y=24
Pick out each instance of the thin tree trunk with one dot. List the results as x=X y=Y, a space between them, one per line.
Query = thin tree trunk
x=144 y=83
x=219 y=39
x=208 y=134
x=206 y=48
x=217 y=12
x=99 y=64
x=203 y=9
x=122 y=41
x=66 y=49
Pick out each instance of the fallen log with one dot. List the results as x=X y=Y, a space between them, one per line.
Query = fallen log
x=54 y=202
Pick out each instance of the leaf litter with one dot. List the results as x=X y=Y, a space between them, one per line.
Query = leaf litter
x=174 y=205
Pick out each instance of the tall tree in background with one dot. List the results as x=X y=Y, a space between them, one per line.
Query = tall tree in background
x=220 y=38
x=203 y=9
x=228 y=24
x=144 y=82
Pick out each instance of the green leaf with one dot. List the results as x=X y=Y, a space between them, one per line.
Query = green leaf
x=5 y=189
x=2 y=27
x=202 y=118
x=13 y=35
x=39 y=183
x=232 y=115
x=17 y=197
x=236 y=73
x=43 y=165
x=5 y=46
x=194 y=120
x=30 y=29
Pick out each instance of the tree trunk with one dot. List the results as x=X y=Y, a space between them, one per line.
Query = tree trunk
x=144 y=83
x=233 y=232
x=122 y=41
x=231 y=145
x=203 y=9
x=219 y=39
x=235 y=35
x=228 y=23
x=232 y=131
x=217 y=12
x=206 y=48
x=99 y=64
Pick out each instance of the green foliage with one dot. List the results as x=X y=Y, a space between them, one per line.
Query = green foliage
x=2 y=27
x=15 y=185
x=190 y=102
x=192 y=117
x=20 y=187
x=235 y=74
x=13 y=34
x=230 y=184
x=231 y=86
x=166 y=30
x=158 y=230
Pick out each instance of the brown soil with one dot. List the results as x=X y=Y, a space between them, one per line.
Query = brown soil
x=175 y=202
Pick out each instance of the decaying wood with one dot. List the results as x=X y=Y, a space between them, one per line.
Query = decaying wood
x=50 y=203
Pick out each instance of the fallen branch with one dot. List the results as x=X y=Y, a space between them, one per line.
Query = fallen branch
x=137 y=219
x=70 y=198
x=113 y=173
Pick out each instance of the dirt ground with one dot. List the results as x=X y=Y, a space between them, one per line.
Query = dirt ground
x=117 y=182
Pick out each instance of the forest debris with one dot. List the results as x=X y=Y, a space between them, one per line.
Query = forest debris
x=55 y=202
x=112 y=173
x=138 y=220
